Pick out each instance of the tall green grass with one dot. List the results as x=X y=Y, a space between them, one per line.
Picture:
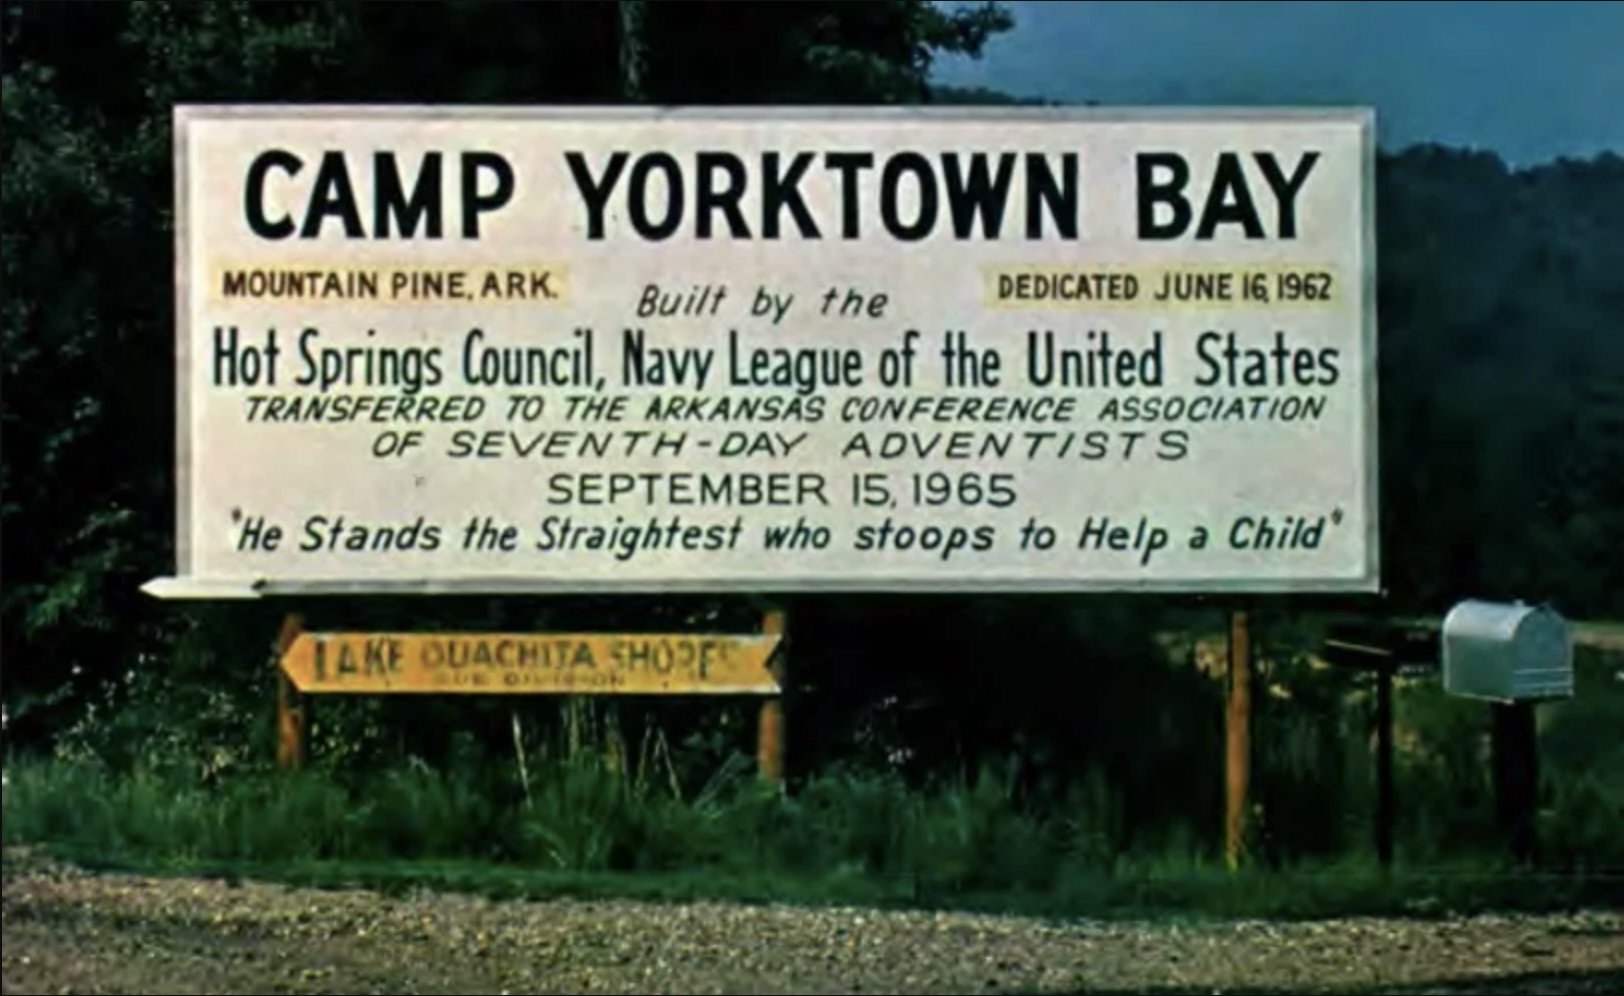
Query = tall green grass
x=582 y=806
x=858 y=837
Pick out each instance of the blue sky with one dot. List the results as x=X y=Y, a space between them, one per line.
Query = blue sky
x=1530 y=81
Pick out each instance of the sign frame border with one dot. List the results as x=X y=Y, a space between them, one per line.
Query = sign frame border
x=183 y=584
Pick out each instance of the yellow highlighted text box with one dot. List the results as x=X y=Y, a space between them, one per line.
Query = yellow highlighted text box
x=1205 y=286
x=316 y=284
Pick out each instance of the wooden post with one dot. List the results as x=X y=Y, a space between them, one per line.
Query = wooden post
x=770 y=726
x=1515 y=746
x=1386 y=811
x=1238 y=767
x=291 y=705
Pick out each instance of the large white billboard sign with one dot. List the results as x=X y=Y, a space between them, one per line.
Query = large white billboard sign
x=564 y=349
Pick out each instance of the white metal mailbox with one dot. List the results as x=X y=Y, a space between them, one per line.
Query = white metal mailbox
x=1507 y=653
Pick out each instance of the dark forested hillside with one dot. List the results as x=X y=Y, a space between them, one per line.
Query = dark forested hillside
x=1502 y=363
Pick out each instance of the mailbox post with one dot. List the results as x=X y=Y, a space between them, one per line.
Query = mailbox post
x=1384 y=655
x=1512 y=656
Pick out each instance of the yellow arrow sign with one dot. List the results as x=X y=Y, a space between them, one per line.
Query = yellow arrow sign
x=512 y=663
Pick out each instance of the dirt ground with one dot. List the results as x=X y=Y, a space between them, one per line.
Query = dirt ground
x=67 y=931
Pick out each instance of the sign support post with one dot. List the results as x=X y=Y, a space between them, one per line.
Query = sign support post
x=771 y=734
x=1238 y=729
x=291 y=704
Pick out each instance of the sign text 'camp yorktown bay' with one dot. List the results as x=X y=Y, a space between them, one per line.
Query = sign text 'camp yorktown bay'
x=490 y=349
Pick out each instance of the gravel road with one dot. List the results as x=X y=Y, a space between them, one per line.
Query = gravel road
x=67 y=931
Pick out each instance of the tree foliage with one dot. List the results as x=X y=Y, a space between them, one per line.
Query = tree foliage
x=88 y=313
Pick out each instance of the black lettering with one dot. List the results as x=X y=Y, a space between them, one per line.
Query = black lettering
x=721 y=194
x=334 y=196
x=475 y=203
x=1230 y=202
x=781 y=192
x=324 y=534
x=595 y=192
x=709 y=191
x=1330 y=369
x=1162 y=177
x=390 y=200
x=936 y=540
x=977 y=193
x=1212 y=370
x=656 y=231
x=1286 y=188
x=848 y=165
x=890 y=193
x=1175 y=444
x=1061 y=196
x=254 y=193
